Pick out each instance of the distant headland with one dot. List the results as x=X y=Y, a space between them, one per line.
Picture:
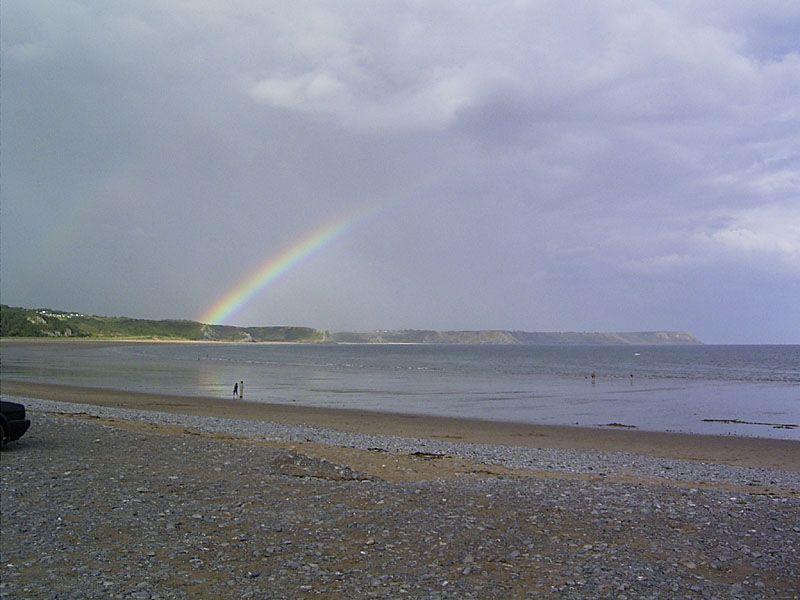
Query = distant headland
x=18 y=322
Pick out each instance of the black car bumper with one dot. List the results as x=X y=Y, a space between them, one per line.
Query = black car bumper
x=14 y=420
x=17 y=428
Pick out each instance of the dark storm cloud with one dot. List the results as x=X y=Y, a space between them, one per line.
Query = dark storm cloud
x=539 y=165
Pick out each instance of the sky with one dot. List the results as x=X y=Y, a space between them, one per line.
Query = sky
x=526 y=165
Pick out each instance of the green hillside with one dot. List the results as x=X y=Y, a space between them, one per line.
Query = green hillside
x=43 y=323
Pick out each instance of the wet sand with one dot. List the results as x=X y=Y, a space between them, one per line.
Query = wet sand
x=730 y=450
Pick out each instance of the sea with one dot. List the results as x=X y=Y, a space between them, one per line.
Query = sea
x=725 y=390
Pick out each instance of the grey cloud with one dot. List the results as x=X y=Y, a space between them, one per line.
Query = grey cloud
x=539 y=165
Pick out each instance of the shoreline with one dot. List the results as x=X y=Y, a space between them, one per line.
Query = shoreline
x=729 y=450
x=81 y=341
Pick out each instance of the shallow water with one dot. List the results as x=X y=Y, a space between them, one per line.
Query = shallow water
x=687 y=388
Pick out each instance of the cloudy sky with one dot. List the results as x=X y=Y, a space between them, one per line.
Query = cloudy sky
x=534 y=165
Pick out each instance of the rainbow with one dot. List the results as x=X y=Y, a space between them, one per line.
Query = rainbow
x=275 y=266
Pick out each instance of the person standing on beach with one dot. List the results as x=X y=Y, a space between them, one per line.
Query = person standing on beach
x=235 y=389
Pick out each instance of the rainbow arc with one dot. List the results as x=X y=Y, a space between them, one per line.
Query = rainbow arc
x=277 y=265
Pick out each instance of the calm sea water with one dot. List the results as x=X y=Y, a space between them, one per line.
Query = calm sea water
x=687 y=388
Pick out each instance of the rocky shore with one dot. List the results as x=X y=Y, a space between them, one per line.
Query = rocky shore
x=116 y=503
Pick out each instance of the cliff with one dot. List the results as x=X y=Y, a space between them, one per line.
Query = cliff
x=414 y=336
x=25 y=322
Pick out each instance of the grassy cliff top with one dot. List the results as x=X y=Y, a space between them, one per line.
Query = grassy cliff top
x=48 y=323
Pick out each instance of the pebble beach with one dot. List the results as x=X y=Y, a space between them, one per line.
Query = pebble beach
x=114 y=501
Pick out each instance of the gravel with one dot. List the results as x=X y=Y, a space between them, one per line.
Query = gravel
x=92 y=510
x=560 y=460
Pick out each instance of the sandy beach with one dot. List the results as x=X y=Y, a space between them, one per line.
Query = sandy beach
x=736 y=451
x=118 y=499
x=142 y=496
